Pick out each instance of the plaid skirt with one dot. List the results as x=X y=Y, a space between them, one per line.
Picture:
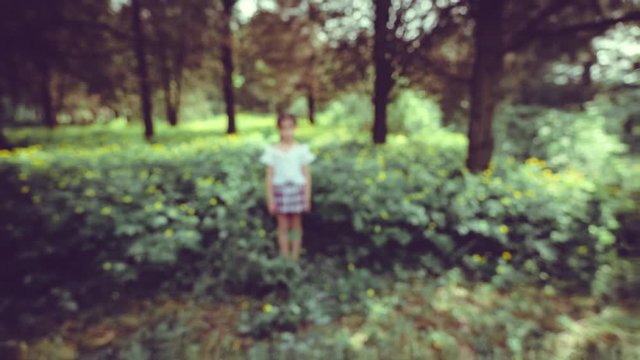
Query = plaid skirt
x=289 y=198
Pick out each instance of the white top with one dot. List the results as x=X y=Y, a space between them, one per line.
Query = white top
x=287 y=164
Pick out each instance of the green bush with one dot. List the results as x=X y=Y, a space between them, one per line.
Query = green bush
x=78 y=223
x=409 y=112
x=563 y=139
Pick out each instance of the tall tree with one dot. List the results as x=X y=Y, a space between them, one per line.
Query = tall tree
x=492 y=43
x=487 y=72
x=226 y=57
x=383 y=80
x=310 y=83
x=143 y=73
x=179 y=27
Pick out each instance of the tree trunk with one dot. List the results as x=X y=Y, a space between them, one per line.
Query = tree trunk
x=48 y=111
x=312 y=106
x=487 y=73
x=170 y=110
x=143 y=76
x=383 y=80
x=227 y=64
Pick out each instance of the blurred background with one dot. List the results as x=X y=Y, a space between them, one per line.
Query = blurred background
x=475 y=192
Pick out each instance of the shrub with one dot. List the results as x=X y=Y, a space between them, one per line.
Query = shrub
x=80 y=222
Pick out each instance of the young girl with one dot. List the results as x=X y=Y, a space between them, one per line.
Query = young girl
x=288 y=183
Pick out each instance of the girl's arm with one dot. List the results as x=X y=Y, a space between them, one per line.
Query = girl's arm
x=307 y=186
x=269 y=184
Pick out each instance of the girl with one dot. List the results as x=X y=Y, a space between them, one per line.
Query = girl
x=288 y=183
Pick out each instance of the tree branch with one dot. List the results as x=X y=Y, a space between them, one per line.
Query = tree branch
x=529 y=28
x=595 y=26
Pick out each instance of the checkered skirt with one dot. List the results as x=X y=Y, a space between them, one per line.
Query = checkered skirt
x=289 y=198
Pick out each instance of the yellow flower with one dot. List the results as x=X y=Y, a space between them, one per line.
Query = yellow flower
x=351 y=267
x=505 y=201
x=213 y=201
x=262 y=233
x=536 y=161
x=267 y=308
x=106 y=211
x=377 y=229
x=583 y=250
x=382 y=176
x=24 y=189
x=432 y=225
x=127 y=199
x=517 y=194
x=384 y=215
x=506 y=255
x=371 y=292
x=158 y=205
x=168 y=232
x=504 y=229
x=479 y=259
x=107 y=266
x=90 y=193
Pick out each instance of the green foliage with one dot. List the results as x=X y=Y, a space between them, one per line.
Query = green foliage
x=79 y=221
x=561 y=138
x=411 y=112
x=351 y=109
x=407 y=316
x=322 y=291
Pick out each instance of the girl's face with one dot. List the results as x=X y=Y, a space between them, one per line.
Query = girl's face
x=287 y=128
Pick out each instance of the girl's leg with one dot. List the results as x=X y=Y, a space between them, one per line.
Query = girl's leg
x=283 y=229
x=295 y=223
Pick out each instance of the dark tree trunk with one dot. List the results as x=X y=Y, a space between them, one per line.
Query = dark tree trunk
x=383 y=80
x=172 y=114
x=227 y=64
x=48 y=112
x=169 y=104
x=487 y=73
x=311 y=81
x=143 y=76
x=311 y=102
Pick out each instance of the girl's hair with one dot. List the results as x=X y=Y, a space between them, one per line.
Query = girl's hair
x=285 y=116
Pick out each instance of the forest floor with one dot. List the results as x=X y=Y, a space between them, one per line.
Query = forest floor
x=409 y=320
